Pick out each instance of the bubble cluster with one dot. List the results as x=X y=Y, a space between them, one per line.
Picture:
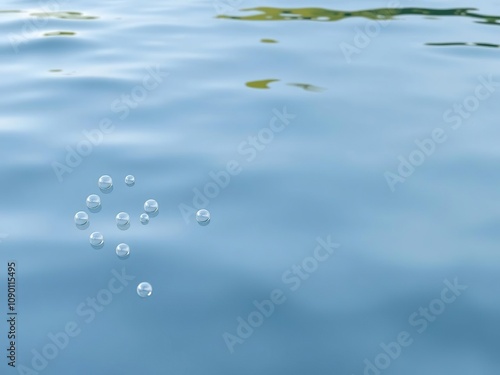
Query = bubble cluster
x=122 y=250
x=203 y=217
x=144 y=289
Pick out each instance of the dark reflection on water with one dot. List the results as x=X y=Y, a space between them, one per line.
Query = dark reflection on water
x=324 y=15
x=268 y=41
x=64 y=15
x=59 y=33
x=307 y=87
x=452 y=44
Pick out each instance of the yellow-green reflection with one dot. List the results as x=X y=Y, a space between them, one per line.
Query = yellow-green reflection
x=59 y=33
x=65 y=15
x=307 y=87
x=261 y=84
x=325 y=15
x=10 y=11
x=489 y=45
x=268 y=41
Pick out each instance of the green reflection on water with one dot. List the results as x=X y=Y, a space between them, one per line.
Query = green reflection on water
x=261 y=84
x=59 y=33
x=268 y=41
x=321 y=14
x=65 y=15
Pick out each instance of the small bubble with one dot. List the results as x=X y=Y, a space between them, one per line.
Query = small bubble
x=130 y=180
x=105 y=182
x=81 y=218
x=144 y=218
x=96 y=239
x=93 y=201
x=122 y=219
x=151 y=206
x=123 y=251
x=144 y=289
x=203 y=217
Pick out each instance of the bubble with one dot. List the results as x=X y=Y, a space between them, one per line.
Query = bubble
x=203 y=217
x=81 y=218
x=96 y=239
x=123 y=251
x=130 y=180
x=144 y=289
x=144 y=218
x=151 y=206
x=93 y=201
x=122 y=218
x=105 y=182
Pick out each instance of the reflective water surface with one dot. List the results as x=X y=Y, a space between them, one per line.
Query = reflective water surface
x=349 y=168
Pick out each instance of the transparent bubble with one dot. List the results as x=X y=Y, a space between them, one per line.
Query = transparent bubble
x=123 y=250
x=122 y=218
x=105 y=182
x=144 y=289
x=81 y=218
x=93 y=201
x=203 y=217
x=151 y=206
x=96 y=239
x=144 y=218
x=130 y=180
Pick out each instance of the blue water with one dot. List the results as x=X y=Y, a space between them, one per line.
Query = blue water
x=339 y=93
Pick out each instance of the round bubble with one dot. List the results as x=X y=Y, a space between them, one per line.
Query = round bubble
x=151 y=206
x=144 y=289
x=130 y=180
x=203 y=217
x=96 y=239
x=123 y=250
x=144 y=218
x=93 y=201
x=105 y=182
x=81 y=218
x=122 y=218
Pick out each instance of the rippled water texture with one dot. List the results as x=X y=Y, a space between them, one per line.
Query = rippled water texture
x=347 y=154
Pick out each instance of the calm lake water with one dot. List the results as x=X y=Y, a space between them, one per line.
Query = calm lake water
x=348 y=155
